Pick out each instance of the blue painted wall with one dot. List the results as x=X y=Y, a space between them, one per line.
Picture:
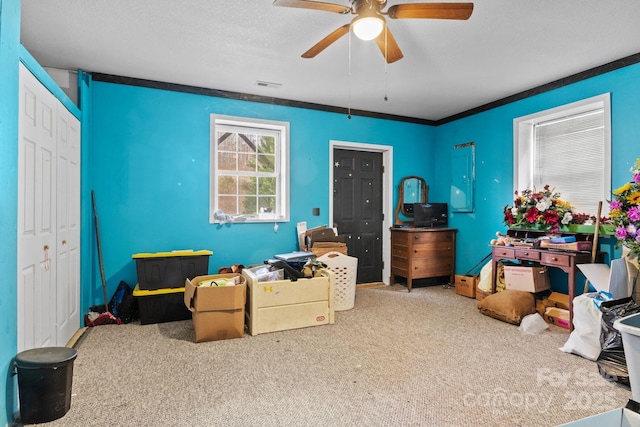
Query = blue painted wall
x=146 y=154
x=9 y=51
x=149 y=168
x=492 y=131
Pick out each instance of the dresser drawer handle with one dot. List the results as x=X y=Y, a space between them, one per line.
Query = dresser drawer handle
x=554 y=259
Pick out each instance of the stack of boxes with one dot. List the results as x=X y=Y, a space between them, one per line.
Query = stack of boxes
x=175 y=286
x=161 y=279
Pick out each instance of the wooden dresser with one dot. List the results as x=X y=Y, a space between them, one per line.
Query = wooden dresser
x=418 y=253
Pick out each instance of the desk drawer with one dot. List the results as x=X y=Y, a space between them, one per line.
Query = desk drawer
x=504 y=253
x=554 y=258
x=527 y=253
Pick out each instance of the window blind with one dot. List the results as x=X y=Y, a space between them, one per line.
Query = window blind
x=568 y=156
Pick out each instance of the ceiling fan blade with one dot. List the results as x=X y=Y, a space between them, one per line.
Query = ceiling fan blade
x=325 y=42
x=431 y=10
x=316 y=5
x=388 y=46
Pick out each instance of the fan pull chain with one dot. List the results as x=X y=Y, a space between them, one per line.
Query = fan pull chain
x=349 y=82
x=386 y=34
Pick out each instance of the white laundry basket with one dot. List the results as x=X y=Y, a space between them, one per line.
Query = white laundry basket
x=345 y=270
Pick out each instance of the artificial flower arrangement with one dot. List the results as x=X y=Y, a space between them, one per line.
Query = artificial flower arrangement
x=539 y=209
x=624 y=211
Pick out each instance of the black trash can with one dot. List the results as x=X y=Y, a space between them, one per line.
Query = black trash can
x=44 y=383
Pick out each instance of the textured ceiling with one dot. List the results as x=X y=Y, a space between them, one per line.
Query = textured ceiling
x=506 y=47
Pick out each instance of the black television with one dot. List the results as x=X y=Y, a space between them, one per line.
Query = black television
x=430 y=215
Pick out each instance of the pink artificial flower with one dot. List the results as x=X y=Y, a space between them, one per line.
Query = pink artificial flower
x=621 y=233
x=615 y=204
x=634 y=213
x=636 y=177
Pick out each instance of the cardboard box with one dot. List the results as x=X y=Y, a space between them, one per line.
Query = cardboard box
x=282 y=304
x=466 y=285
x=556 y=299
x=217 y=312
x=557 y=316
x=170 y=269
x=162 y=305
x=529 y=279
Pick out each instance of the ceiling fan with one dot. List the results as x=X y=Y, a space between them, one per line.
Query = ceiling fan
x=370 y=23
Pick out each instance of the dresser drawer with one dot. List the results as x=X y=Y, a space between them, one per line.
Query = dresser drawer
x=529 y=254
x=504 y=253
x=432 y=267
x=430 y=250
x=399 y=251
x=556 y=259
x=432 y=237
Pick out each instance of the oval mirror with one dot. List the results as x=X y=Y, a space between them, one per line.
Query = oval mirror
x=412 y=189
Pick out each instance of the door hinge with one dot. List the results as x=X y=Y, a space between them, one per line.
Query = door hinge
x=383 y=265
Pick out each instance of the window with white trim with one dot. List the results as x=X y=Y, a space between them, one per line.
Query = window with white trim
x=568 y=148
x=249 y=170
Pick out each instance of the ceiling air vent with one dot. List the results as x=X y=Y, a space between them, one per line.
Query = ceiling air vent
x=268 y=84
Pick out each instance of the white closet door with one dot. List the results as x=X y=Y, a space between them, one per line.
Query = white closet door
x=68 y=226
x=36 y=214
x=48 y=218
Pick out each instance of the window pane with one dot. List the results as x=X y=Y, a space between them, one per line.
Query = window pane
x=267 y=145
x=267 y=186
x=248 y=204
x=227 y=184
x=247 y=143
x=228 y=204
x=226 y=141
x=247 y=162
x=266 y=204
x=266 y=163
x=247 y=185
x=226 y=161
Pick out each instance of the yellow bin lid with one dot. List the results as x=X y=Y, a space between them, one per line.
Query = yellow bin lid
x=185 y=252
x=137 y=292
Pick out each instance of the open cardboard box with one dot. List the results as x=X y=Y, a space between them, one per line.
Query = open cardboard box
x=217 y=312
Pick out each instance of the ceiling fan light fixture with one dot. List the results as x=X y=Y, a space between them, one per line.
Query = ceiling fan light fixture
x=368 y=27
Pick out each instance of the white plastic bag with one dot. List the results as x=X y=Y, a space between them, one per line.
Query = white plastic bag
x=533 y=324
x=484 y=283
x=585 y=337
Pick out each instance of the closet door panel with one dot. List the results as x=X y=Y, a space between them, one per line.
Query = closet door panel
x=36 y=214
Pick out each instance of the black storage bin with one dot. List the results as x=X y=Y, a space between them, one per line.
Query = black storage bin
x=44 y=383
x=161 y=305
x=170 y=269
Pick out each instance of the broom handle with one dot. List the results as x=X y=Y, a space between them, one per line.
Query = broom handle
x=594 y=249
x=104 y=282
x=596 y=235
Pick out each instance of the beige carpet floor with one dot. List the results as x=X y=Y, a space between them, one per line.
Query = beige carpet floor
x=425 y=358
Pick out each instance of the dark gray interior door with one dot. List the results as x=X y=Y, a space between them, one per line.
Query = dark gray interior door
x=357 y=208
